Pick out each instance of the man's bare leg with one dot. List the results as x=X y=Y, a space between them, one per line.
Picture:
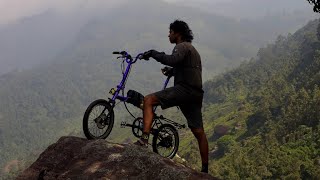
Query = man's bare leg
x=149 y=102
x=203 y=147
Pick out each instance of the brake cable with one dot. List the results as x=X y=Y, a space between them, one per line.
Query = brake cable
x=124 y=102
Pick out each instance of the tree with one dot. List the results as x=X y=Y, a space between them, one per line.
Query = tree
x=316 y=5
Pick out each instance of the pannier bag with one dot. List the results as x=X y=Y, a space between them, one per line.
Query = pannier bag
x=135 y=98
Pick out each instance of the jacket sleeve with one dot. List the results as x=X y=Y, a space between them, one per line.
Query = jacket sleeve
x=177 y=56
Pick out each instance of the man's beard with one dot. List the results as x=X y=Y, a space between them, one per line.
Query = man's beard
x=172 y=41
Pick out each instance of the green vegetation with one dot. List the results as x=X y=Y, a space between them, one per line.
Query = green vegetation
x=271 y=108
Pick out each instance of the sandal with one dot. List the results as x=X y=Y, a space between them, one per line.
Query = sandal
x=141 y=143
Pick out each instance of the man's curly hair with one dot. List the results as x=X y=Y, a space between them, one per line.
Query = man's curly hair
x=181 y=27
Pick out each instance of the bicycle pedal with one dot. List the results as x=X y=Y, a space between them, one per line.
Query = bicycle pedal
x=123 y=124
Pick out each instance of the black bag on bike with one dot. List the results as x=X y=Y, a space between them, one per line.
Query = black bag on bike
x=134 y=98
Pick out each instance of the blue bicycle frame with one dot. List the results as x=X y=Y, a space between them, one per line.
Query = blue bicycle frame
x=122 y=84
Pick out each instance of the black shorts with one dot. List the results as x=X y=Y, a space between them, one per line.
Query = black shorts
x=189 y=101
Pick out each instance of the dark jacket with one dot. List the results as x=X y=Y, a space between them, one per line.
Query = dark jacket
x=186 y=63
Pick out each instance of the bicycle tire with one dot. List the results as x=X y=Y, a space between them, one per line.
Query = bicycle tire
x=104 y=122
x=161 y=134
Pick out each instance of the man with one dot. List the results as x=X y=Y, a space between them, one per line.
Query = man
x=187 y=91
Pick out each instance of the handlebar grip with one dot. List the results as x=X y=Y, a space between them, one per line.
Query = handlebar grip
x=122 y=52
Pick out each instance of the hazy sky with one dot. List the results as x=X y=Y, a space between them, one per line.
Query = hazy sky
x=197 y=0
x=12 y=10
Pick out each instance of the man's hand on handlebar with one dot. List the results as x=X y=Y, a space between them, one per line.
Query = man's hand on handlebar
x=146 y=55
x=167 y=71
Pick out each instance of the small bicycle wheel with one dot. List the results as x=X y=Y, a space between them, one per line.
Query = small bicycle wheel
x=137 y=127
x=98 y=120
x=165 y=142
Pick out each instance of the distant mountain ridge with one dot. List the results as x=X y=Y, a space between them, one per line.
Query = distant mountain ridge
x=41 y=38
x=248 y=9
x=35 y=40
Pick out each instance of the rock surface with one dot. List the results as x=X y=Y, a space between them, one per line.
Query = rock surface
x=79 y=158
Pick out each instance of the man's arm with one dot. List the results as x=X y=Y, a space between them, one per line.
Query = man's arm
x=176 y=57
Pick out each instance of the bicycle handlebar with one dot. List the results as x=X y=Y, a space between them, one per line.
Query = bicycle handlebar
x=117 y=52
x=128 y=57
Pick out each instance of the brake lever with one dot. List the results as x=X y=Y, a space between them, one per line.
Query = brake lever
x=122 y=56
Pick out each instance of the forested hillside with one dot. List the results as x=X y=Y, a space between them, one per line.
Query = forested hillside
x=263 y=118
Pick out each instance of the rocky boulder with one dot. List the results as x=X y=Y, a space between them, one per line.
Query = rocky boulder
x=79 y=158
